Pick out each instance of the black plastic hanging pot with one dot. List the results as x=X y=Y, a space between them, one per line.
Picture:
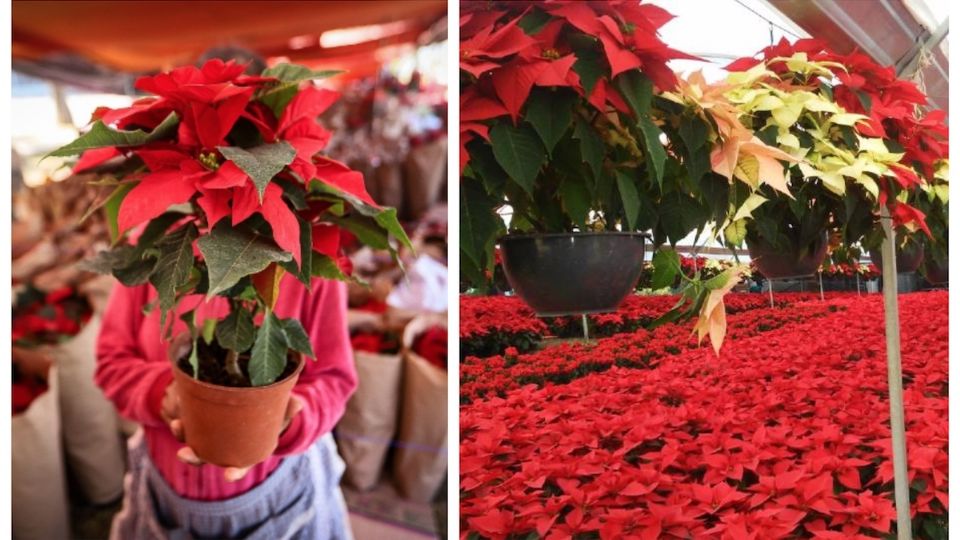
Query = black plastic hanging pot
x=909 y=258
x=938 y=272
x=573 y=273
x=774 y=263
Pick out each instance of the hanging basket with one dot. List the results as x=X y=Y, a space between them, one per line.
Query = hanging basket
x=938 y=272
x=573 y=273
x=909 y=258
x=774 y=263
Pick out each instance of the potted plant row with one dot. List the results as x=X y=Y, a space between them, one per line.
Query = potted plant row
x=222 y=191
x=565 y=127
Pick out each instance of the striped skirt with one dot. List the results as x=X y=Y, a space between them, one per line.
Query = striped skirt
x=300 y=500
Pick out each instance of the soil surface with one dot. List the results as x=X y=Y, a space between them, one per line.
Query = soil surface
x=212 y=366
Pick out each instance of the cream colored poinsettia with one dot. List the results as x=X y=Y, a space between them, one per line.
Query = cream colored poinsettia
x=712 y=319
x=737 y=152
x=796 y=109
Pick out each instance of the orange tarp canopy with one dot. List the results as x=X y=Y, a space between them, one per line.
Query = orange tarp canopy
x=147 y=36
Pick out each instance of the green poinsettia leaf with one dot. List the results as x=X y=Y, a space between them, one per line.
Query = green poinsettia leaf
x=173 y=264
x=155 y=230
x=550 y=112
x=637 y=89
x=194 y=360
x=269 y=354
x=262 y=162
x=101 y=136
x=629 y=197
x=656 y=154
x=385 y=216
x=327 y=268
x=591 y=146
x=519 y=151
x=289 y=76
x=533 y=21
x=479 y=223
x=589 y=66
x=297 y=338
x=693 y=131
x=136 y=272
x=111 y=208
x=302 y=273
x=366 y=229
x=233 y=254
x=108 y=261
x=294 y=73
x=208 y=331
x=236 y=332
x=576 y=199
x=666 y=265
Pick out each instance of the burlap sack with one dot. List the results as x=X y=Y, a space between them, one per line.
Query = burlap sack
x=425 y=173
x=365 y=432
x=389 y=179
x=420 y=462
x=39 y=492
x=91 y=434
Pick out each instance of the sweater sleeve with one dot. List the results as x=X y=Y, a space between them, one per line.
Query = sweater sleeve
x=326 y=383
x=134 y=384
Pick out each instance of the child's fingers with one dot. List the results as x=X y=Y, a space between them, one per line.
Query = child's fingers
x=187 y=455
x=176 y=427
x=232 y=474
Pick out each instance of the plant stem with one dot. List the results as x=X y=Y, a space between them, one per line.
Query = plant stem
x=233 y=367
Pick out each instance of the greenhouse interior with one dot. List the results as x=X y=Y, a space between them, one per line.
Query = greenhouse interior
x=704 y=282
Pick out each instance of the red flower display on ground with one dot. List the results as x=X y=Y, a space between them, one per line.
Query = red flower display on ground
x=783 y=436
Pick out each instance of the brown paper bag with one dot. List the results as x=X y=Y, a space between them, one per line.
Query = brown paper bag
x=425 y=172
x=365 y=432
x=39 y=492
x=390 y=185
x=420 y=462
x=91 y=435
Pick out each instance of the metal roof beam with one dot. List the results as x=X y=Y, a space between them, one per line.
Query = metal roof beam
x=907 y=65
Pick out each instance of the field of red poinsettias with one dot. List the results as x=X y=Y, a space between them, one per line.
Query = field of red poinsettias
x=491 y=324
x=785 y=435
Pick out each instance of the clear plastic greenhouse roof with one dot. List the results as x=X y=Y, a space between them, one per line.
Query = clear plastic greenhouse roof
x=904 y=33
x=745 y=31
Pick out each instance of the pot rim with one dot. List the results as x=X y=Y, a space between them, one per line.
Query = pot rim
x=301 y=362
x=520 y=236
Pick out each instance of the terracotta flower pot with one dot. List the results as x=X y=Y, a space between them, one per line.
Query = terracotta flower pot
x=774 y=263
x=229 y=426
x=573 y=273
x=909 y=258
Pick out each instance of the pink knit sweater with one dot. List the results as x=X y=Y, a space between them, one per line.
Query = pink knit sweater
x=133 y=371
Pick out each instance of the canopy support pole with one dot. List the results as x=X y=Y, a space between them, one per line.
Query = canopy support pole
x=901 y=481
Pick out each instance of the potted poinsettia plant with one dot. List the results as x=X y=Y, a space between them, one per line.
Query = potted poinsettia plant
x=865 y=143
x=563 y=125
x=834 y=183
x=222 y=192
